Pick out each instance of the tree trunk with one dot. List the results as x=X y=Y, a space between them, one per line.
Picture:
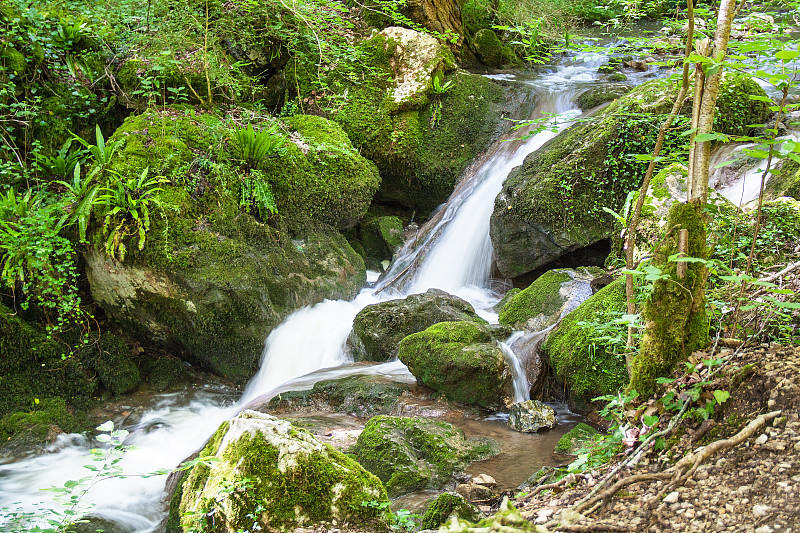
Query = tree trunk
x=440 y=16
x=675 y=314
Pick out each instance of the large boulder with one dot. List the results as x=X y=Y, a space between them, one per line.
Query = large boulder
x=379 y=328
x=420 y=133
x=270 y=474
x=553 y=203
x=551 y=296
x=361 y=396
x=530 y=416
x=580 y=356
x=462 y=361
x=216 y=274
x=410 y=454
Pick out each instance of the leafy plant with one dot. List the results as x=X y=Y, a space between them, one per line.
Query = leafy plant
x=82 y=196
x=101 y=152
x=439 y=87
x=252 y=146
x=62 y=164
x=401 y=520
x=129 y=203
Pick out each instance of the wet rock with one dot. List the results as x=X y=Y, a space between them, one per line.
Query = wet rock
x=462 y=361
x=530 y=416
x=379 y=328
x=473 y=492
x=600 y=95
x=285 y=477
x=445 y=506
x=550 y=297
x=410 y=454
x=553 y=203
x=492 y=51
x=575 y=438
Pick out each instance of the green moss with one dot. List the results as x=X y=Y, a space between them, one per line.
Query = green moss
x=540 y=297
x=736 y=111
x=675 y=314
x=314 y=484
x=410 y=454
x=49 y=417
x=786 y=182
x=111 y=359
x=460 y=360
x=32 y=368
x=492 y=51
x=446 y=505
x=575 y=438
x=582 y=362
x=507 y=297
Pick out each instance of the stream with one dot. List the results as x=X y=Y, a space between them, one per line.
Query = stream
x=453 y=254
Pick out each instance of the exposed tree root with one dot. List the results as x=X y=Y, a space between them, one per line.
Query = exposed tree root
x=683 y=470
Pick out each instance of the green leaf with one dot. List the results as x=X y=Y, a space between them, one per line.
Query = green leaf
x=721 y=396
x=106 y=426
x=703 y=137
x=786 y=55
x=650 y=420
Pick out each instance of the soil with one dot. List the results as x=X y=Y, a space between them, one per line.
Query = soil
x=753 y=486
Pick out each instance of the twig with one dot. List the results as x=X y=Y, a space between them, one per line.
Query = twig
x=773 y=277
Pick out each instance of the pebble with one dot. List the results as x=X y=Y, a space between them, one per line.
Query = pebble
x=760 y=510
x=764 y=529
x=762 y=439
x=672 y=497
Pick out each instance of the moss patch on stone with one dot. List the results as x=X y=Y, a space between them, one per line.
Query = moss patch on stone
x=461 y=360
x=492 y=51
x=410 y=454
x=285 y=477
x=575 y=438
x=577 y=358
x=541 y=296
x=445 y=506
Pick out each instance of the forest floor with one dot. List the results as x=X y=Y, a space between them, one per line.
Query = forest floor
x=739 y=471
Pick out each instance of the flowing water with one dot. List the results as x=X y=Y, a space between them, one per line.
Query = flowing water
x=454 y=254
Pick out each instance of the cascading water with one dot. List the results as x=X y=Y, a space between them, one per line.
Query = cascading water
x=457 y=258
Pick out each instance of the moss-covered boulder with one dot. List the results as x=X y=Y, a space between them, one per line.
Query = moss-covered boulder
x=576 y=437
x=410 y=454
x=446 y=505
x=507 y=519
x=785 y=183
x=35 y=367
x=420 y=137
x=553 y=203
x=601 y=94
x=282 y=478
x=381 y=236
x=361 y=396
x=577 y=355
x=379 y=328
x=214 y=277
x=462 y=361
x=551 y=296
x=492 y=51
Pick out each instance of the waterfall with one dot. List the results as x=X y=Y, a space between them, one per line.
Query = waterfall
x=454 y=255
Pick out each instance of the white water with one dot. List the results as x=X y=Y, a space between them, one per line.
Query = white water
x=458 y=260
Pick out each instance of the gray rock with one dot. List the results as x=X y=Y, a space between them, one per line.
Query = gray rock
x=530 y=416
x=379 y=328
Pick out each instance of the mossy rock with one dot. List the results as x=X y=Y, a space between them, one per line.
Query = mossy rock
x=410 y=454
x=785 y=183
x=600 y=95
x=576 y=437
x=507 y=297
x=110 y=357
x=291 y=480
x=167 y=373
x=213 y=279
x=35 y=367
x=462 y=361
x=584 y=364
x=361 y=396
x=553 y=203
x=507 y=519
x=379 y=328
x=446 y=505
x=492 y=51
x=381 y=237
x=542 y=303
x=20 y=432
x=421 y=144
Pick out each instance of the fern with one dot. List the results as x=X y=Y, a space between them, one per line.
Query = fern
x=252 y=146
